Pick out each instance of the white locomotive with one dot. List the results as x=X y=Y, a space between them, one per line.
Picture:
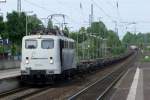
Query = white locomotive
x=133 y=47
x=46 y=56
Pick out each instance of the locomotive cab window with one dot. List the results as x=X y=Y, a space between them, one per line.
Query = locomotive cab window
x=31 y=44
x=47 y=44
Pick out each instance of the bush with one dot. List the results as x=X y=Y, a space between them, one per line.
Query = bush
x=118 y=50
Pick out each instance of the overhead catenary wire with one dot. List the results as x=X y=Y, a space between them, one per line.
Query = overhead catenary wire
x=114 y=5
x=107 y=15
x=109 y=4
x=44 y=8
x=68 y=6
x=101 y=9
x=118 y=12
x=38 y=6
x=71 y=19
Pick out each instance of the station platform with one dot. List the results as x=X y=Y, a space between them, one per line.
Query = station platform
x=9 y=73
x=134 y=85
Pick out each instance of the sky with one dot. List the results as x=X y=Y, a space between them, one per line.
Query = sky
x=131 y=15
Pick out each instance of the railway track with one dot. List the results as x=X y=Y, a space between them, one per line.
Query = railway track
x=4 y=94
x=27 y=92
x=21 y=93
x=100 y=88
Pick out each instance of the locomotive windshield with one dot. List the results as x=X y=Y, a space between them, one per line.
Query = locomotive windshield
x=31 y=44
x=47 y=44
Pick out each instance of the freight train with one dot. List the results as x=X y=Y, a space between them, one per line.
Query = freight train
x=45 y=57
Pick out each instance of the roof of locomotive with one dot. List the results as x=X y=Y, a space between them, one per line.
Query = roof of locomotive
x=47 y=36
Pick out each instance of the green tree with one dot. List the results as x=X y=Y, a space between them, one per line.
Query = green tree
x=113 y=39
x=2 y=25
x=99 y=28
x=130 y=38
x=66 y=31
x=140 y=39
x=114 y=43
x=16 y=28
x=79 y=36
x=34 y=23
x=50 y=24
x=16 y=25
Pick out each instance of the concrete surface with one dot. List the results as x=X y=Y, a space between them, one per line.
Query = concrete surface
x=9 y=64
x=133 y=85
x=9 y=73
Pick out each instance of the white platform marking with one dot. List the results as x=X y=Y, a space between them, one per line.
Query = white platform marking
x=133 y=89
x=139 y=92
x=9 y=73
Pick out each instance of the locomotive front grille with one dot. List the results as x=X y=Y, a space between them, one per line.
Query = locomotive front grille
x=37 y=72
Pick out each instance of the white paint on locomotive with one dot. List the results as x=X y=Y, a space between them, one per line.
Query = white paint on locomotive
x=49 y=54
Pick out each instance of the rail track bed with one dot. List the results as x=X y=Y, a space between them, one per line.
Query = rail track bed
x=21 y=93
x=98 y=89
x=72 y=89
x=69 y=89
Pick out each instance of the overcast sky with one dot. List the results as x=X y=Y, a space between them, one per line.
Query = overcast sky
x=104 y=10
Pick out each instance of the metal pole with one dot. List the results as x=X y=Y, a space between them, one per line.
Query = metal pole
x=88 y=46
x=99 y=47
x=102 y=48
x=83 y=46
x=105 y=46
x=93 y=48
x=88 y=51
x=77 y=49
x=27 y=21
x=94 y=44
x=96 y=47
x=19 y=6
x=26 y=26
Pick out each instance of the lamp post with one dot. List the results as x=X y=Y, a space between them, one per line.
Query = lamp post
x=27 y=21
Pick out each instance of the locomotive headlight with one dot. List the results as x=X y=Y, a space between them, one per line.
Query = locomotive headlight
x=27 y=60
x=51 y=60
